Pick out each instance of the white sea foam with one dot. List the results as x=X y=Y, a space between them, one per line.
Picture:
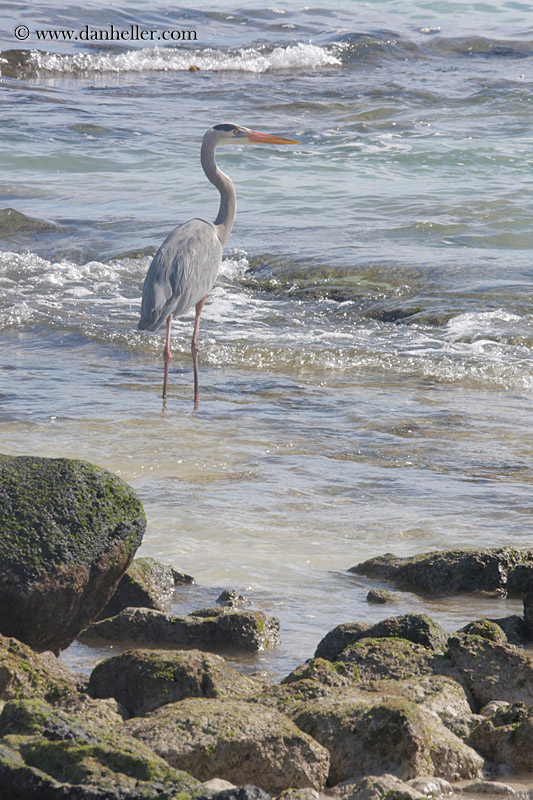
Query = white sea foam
x=250 y=59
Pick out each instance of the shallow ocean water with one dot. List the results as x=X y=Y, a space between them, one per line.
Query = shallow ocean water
x=365 y=357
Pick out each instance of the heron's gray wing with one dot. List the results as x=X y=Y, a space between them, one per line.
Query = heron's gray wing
x=182 y=272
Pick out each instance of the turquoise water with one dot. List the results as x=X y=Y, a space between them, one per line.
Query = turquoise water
x=365 y=357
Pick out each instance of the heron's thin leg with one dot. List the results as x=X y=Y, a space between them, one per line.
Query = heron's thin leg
x=194 y=348
x=167 y=355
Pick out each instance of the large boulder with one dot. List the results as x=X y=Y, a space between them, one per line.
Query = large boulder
x=369 y=733
x=143 y=680
x=214 y=629
x=229 y=739
x=47 y=754
x=501 y=570
x=69 y=531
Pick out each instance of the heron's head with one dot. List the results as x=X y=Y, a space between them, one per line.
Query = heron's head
x=237 y=134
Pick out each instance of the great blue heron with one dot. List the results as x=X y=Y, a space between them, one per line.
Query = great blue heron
x=185 y=267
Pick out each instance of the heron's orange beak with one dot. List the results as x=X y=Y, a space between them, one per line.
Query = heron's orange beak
x=267 y=138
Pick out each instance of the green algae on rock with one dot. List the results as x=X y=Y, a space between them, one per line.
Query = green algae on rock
x=69 y=531
x=143 y=680
x=47 y=754
x=235 y=740
x=213 y=629
x=147 y=583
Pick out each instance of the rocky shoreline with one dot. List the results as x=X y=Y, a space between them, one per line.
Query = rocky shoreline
x=400 y=709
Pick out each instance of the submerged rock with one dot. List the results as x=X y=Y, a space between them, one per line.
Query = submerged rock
x=231 y=740
x=69 y=531
x=143 y=680
x=215 y=629
x=502 y=570
x=47 y=754
x=380 y=596
x=146 y=584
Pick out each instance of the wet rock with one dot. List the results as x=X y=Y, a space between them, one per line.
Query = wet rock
x=231 y=740
x=338 y=638
x=488 y=787
x=146 y=584
x=143 y=680
x=502 y=570
x=219 y=629
x=47 y=754
x=430 y=786
x=380 y=596
x=229 y=597
x=491 y=670
x=528 y=608
x=417 y=628
x=13 y=221
x=507 y=737
x=374 y=787
x=368 y=734
x=69 y=531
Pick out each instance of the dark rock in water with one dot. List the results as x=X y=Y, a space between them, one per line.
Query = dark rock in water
x=214 y=629
x=235 y=740
x=229 y=597
x=146 y=584
x=370 y=733
x=503 y=570
x=12 y=221
x=69 y=531
x=339 y=637
x=507 y=737
x=380 y=596
x=47 y=754
x=528 y=608
x=143 y=680
x=492 y=670
x=417 y=628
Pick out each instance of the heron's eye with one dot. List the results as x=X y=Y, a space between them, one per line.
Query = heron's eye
x=236 y=132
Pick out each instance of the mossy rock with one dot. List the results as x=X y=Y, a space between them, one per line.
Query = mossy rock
x=143 y=680
x=235 y=740
x=47 y=754
x=147 y=583
x=498 y=571
x=27 y=674
x=69 y=531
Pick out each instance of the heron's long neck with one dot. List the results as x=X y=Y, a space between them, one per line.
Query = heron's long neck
x=228 y=197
